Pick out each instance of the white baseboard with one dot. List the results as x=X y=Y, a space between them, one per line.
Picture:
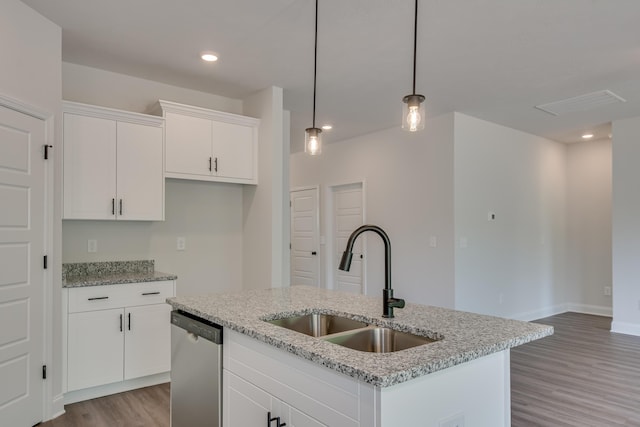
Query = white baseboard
x=119 y=387
x=597 y=310
x=563 y=308
x=539 y=314
x=625 y=328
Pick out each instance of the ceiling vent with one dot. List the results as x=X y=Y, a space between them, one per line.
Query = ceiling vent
x=588 y=101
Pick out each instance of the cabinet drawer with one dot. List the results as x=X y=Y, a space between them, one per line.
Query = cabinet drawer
x=116 y=296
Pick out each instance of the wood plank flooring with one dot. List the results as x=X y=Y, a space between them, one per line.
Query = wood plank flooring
x=145 y=407
x=582 y=376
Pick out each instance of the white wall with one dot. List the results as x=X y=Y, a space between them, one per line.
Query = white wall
x=264 y=214
x=113 y=90
x=31 y=73
x=626 y=226
x=513 y=266
x=589 y=226
x=209 y=215
x=409 y=193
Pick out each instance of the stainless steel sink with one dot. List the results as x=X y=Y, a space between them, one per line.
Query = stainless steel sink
x=318 y=325
x=378 y=340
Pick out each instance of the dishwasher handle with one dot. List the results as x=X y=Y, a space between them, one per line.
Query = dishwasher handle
x=197 y=326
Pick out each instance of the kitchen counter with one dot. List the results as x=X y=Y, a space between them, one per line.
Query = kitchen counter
x=111 y=273
x=465 y=336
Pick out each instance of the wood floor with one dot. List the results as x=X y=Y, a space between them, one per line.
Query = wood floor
x=145 y=407
x=582 y=376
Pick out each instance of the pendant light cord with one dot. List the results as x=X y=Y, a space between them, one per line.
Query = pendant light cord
x=415 y=43
x=315 y=66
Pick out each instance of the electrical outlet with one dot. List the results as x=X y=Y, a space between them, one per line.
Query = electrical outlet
x=500 y=298
x=607 y=291
x=464 y=242
x=181 y=243
x=454 y=421
x=92 y=246
x=433 y=241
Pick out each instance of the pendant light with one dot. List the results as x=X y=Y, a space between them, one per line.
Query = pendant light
x=413 y=114
x=313 y=140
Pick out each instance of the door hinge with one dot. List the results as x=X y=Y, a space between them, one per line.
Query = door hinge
x=46 y=151
x=44 y=372
x=45 y=262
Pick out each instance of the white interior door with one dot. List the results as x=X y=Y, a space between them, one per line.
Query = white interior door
x=305 y=265
x=22 y=246
x=348 y=214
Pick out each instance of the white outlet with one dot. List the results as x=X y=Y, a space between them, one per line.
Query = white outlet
x=92 y=246
x=433 y=241
x=607 y=291
x=500 y=298
x=455 y=421
x=181 y=243
x=464 y=242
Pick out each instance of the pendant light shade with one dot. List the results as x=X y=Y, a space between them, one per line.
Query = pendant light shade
x=313 y=140
x=413 y=112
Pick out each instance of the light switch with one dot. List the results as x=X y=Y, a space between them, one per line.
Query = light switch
x=92 y=246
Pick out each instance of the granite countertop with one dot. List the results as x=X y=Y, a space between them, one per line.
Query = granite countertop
x=465 y=336
x=76 y=275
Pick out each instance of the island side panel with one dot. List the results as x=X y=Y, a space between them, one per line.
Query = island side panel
x=474 y=394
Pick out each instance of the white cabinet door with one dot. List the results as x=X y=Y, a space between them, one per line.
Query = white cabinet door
x=296 y=418
x=140 y=180
x=244 y=404
x=89 y=167
x=95 y=347
x=233 y=149
x=187 y=145
x=147 y=344
x=248 y=405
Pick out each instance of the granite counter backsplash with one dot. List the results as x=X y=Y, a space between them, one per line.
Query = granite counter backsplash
x=111 y=273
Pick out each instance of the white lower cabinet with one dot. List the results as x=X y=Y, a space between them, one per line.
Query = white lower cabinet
x=117 y=333
x=248 y=405
x=259 y=378
x=95 y=348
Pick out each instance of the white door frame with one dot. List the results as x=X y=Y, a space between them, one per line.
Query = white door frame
x=328 y=227
x=321 y=282
x=48 y=283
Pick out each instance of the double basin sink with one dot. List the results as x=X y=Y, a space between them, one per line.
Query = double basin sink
x=351 y=333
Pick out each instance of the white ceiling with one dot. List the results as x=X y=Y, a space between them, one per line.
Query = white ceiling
x=493 y=59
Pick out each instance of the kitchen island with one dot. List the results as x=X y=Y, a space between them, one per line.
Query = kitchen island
x=461 y=378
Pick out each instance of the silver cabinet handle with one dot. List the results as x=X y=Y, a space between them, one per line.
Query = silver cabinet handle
x=120 y=207
x=96 y=298
x=151 y=293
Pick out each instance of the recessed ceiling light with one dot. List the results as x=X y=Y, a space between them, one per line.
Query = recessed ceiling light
x=587 y=136
x=327 y=127
x=209 y=56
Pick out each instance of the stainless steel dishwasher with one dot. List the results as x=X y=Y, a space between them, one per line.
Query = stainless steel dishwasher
x=196 y=372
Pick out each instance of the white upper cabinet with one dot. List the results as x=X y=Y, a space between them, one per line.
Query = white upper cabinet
x=113 y=164
x=208 y=145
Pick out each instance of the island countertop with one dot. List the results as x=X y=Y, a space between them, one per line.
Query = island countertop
x=465 y=336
